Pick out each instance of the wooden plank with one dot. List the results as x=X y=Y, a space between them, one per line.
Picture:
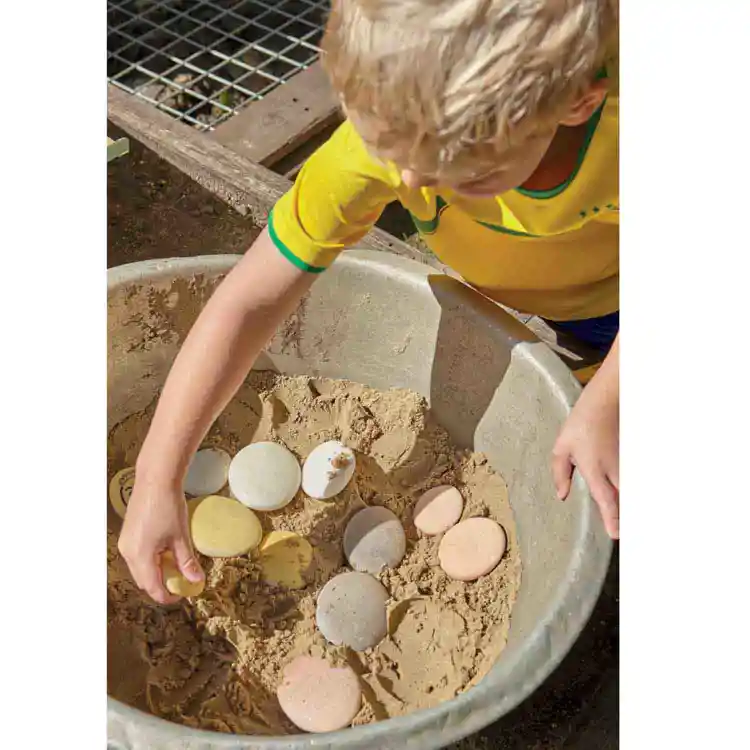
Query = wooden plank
x=269 y=129
x=248 y=187
x=291 y=164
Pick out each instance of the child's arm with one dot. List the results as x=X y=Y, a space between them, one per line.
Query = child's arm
x=590 y=441
x=239 y=319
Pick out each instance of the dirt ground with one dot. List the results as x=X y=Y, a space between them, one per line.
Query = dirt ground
x=154 y=211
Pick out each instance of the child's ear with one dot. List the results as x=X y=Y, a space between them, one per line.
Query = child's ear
x=586 y=104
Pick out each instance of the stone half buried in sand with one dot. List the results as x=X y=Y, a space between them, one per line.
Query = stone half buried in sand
x=438 y=509
x=265 y=476
x=317 y=696
x=327 y=470
x=351 y=611
x=285 y=558
x=374 y=539
x=120 y=489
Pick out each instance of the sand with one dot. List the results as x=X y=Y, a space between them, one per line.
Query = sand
x=215 y=661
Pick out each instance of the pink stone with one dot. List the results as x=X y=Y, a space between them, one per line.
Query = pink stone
x=438 y=509
x=472 y=548
x=318 y=697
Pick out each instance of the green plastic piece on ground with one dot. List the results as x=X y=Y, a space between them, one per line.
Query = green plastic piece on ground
x=120 y=147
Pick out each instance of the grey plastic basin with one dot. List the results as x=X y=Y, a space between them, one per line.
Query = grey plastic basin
x=385 y=321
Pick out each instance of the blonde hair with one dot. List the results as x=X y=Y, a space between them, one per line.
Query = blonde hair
x=454 y=78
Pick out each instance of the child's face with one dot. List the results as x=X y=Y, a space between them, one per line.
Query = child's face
x=466 y=177
x=510 y=172
x=489 y=176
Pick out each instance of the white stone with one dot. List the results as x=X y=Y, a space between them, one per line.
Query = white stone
x=207 y=473
x=264 y=476
x=327 y=470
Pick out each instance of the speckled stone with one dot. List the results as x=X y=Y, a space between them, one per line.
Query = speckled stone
x=351 y=611
x=374 y=539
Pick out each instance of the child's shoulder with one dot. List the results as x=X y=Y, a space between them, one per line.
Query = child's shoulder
x=345 y=151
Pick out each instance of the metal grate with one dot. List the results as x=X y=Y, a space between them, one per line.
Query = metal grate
x=204 y=60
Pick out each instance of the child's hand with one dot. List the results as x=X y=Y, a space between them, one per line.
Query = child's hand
x=240 y=317
x=590 y=441
x=157 y=521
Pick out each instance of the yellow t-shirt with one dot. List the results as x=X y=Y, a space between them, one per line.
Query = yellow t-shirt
x=551 y=253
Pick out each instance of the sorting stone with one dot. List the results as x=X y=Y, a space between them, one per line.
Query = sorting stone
x=120 y=490
x=351 y=611
x=207 y=472
x=472 y=548
x=175 y=582
x=327 y=470
x=265 y=476
x=222 y=527
x=284 y=558
x=318 y=697
x=438 y=509
x=374 y=539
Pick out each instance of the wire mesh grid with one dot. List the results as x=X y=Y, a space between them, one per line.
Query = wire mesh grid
x=202 y=61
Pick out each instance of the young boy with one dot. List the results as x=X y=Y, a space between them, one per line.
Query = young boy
x=494 y=122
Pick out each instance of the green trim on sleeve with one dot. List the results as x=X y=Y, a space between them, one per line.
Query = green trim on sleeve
x=287 y=253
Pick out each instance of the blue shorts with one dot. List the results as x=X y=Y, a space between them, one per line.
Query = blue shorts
x=598 y=333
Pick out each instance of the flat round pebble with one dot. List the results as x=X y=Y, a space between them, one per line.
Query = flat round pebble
x=284 y=557
x=265 y=476
x=374 y=539
x=120 y=490
x=207 y=472
x=438 y=509
x=318 y=697
x=351 y=611
x=175 y=582
x=327 y=470
x=472 y=548
x=192 y=504
x=222 y=527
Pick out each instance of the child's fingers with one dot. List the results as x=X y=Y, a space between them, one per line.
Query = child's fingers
x=562 y=471
x=186 y=561
x=613 y=473
x=607 y=498
x=148 y=575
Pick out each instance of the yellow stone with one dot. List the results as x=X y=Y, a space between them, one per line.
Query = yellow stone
x=120 y=490
x=192 y=505
x=175 y=582
x=284 y=557
x=222 y=527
